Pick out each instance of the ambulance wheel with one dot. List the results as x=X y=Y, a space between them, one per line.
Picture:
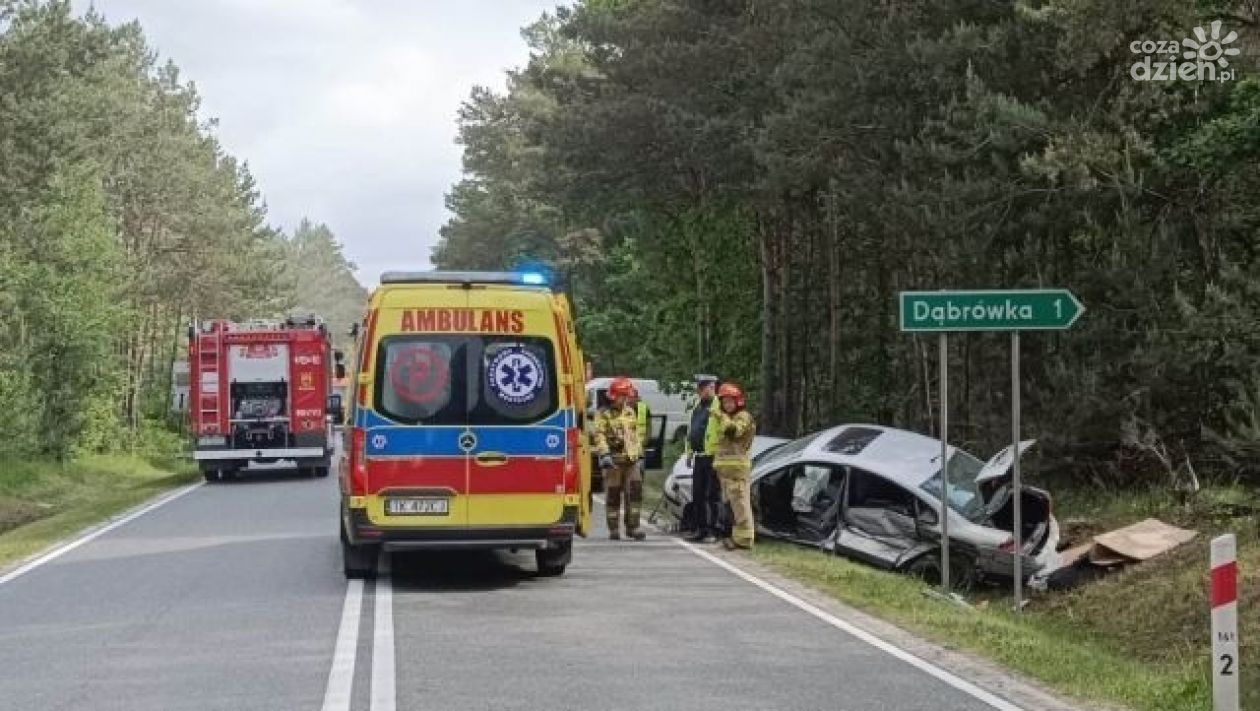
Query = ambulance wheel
x=552 y=561
x=358 y=561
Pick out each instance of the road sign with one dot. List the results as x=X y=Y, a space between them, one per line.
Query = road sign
x=1008 y=310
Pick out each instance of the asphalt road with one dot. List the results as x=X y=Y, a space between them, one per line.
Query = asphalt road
x=231 y=597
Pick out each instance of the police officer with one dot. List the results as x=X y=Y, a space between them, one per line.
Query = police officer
x=732 y=463
x=702 y=439
x=619 y=449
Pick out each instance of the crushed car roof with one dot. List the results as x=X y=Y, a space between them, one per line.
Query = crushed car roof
x=905 y=457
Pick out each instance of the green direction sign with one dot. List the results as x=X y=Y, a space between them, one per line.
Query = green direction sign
x=1014 y=310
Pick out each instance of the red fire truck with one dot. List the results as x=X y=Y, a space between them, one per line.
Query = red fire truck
x=261 y=392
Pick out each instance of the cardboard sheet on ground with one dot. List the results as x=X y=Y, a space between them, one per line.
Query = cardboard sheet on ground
x=1132 y=544
x=1138 y=542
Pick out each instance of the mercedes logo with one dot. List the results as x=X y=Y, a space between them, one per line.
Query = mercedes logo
x=467 y=441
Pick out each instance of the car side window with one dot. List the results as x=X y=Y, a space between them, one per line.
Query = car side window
x=871 y=491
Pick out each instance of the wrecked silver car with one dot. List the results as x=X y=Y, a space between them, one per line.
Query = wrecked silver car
x=873 y=493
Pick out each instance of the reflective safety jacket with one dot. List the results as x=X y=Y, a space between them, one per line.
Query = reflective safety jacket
x=617 y=434
x=710 y=429
x=735 y=436
x=643 y=414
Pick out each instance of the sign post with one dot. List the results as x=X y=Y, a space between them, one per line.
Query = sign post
x=1224 y=623
x=944 y=358
x=1012 y=310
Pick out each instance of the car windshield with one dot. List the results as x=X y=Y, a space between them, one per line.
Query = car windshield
x=964 y=492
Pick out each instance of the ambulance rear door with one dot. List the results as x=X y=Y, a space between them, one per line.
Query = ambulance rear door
x=516 y=421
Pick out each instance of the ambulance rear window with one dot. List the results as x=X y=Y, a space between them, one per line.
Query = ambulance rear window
x=465 y=379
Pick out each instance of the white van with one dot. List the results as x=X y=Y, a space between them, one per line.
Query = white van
x=674 y=407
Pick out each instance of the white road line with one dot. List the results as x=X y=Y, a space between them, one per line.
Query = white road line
x=341 y=676
x=384 y=697
x=61 y=550
x=923 y=665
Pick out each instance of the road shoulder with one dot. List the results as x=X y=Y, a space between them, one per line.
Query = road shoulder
x=985 y=674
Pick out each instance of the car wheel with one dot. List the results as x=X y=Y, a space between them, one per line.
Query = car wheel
x=212 y=475
x=321 y=472
x=927 y=568
x=553 y=561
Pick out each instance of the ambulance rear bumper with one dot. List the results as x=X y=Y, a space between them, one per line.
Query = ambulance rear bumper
x=394 y=538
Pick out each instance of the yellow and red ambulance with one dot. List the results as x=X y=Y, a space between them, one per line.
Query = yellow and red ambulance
x=466 y=424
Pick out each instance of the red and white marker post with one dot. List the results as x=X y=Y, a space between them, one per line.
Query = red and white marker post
x=1224 y=623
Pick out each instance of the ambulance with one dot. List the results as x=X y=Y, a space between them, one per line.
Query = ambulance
x=467 y=421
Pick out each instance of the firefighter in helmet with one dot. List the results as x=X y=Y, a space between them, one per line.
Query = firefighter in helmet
x=732 y=463
x=617 y=443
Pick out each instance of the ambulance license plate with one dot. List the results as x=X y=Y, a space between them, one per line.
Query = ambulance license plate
x=417 y=507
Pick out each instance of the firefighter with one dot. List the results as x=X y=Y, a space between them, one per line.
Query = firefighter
x=732 y=463
x=702 y=439
x=619 y=448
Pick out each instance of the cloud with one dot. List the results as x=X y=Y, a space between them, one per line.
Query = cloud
x=344 y=109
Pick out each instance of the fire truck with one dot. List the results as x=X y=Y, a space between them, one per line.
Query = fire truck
x=262 y=392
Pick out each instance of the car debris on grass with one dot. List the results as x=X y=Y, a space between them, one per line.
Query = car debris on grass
x=1113 y=550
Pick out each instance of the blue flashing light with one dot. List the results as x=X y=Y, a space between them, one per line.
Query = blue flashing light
x=533 y=279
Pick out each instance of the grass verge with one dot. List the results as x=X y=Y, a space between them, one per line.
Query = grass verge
x=1069 y=657
x=42 y=502
x=1137 y=638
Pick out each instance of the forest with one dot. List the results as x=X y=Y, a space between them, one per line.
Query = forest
x=744 y=186
x=122 y=220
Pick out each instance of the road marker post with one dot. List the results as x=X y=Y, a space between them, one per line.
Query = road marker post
x=1224 y=596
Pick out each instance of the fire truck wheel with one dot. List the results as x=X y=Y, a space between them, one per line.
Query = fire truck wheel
x=358 y=561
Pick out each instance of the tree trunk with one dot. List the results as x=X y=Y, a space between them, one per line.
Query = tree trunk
x=769 y=345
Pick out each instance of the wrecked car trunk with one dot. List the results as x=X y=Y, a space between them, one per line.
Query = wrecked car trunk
x=1035 y=515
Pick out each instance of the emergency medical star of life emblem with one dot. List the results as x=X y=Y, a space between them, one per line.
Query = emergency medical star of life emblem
x=516 y=376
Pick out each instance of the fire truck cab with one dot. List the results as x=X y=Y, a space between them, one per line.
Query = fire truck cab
x=261 y=393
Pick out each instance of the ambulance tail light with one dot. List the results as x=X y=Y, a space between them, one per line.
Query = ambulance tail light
x=571 y=472
x=358 y=462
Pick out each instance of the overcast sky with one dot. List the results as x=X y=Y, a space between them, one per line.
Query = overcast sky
x=344 y=109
